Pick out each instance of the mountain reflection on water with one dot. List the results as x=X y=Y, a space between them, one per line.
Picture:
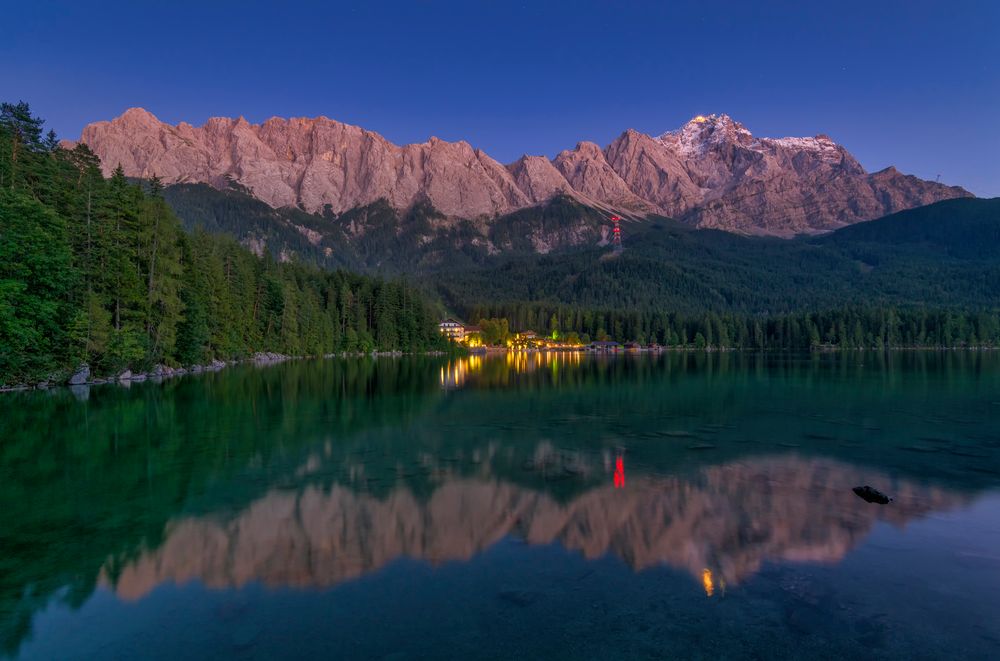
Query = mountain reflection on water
x=726 y=520
x=328 y=474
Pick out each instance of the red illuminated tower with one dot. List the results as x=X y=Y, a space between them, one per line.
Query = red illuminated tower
x=616 y=233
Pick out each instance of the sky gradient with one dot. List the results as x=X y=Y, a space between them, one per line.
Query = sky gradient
x=913 y=84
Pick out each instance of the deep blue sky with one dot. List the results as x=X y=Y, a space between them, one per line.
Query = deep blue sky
x=911 y=83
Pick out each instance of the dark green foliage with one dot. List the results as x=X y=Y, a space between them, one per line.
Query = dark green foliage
x=35 y=283
x=952 y=261
x=945 y=255
x=376 y=237
x=858 y=327
x=279 y=231
x=561 y=221
x=101 y=271
x=966 y=228
x=925 y=277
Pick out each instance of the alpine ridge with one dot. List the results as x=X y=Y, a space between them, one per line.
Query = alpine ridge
x=712 y=172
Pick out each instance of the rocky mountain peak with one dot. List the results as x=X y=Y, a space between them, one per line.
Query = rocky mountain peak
x=711 y=171
x=138 y=114
x=702 y=132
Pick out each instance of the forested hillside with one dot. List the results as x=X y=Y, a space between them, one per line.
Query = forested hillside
x=942 y=256
x=100 y=271
x=925 y=277
x=377 y=238
x=945 y=255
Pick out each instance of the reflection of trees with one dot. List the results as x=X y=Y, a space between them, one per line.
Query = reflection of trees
x=82 y=481
x=726 y=519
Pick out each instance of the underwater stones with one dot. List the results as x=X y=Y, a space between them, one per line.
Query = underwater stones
x=871 y=495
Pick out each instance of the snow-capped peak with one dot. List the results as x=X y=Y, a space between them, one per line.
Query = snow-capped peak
x=702 y=131
x=822 y=146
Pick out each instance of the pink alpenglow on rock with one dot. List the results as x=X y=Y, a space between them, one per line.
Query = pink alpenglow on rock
x=712 y=172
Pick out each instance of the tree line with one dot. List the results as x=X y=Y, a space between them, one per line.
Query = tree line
x=99 y=270
x=849 y=327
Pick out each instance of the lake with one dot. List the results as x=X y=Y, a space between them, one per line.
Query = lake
x=683 y=505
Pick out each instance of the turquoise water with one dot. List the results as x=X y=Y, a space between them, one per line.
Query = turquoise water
x=427 y=508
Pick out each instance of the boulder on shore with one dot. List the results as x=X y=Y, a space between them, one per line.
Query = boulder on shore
x=125 y=376
x=268 y=357
x=80 y=376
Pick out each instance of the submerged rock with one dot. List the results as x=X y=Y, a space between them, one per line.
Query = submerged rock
x=871 y=495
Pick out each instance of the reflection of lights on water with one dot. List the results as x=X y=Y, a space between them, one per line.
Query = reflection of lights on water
x=709 y=582
x=527 y=361
x=453 y=375
x=456 y=372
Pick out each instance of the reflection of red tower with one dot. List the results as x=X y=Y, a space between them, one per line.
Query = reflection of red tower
x=619 y=473
x=616 y=233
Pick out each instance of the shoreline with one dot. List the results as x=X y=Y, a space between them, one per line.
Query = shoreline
x=80 y=377
x=161 y=373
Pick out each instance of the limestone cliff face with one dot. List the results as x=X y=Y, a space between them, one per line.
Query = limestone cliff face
x=712 y=172
x=729 y=519
x=308 y=162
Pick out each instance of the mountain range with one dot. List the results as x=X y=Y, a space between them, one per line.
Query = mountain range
x=710 y=173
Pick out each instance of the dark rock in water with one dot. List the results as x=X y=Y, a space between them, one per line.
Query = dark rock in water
x=81 y=375
x=519 y=598
x=870 y=495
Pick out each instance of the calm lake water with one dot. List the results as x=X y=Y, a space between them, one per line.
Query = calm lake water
x=427 y=508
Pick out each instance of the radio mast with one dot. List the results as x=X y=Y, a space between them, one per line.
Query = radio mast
x=616 y=233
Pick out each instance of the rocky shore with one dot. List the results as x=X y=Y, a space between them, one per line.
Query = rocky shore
x=82 y=376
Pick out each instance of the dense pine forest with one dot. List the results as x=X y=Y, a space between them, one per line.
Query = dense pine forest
x=847 y=328
x=100 y=271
